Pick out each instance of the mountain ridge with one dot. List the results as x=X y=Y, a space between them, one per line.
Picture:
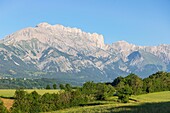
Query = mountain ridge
x=67 y=52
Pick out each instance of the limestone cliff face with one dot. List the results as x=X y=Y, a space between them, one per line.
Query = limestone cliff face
x=49 y=34
x=66 y=39
x=59 y=49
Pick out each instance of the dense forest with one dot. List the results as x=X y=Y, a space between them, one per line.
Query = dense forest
x=123 y=87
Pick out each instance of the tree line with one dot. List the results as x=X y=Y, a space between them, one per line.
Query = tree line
x=39 y=83
x=34 y=103
x=134 y=85
x=123 y=87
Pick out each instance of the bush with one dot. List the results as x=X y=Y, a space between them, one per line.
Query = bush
x=26 y=102
x=48 y=87
x=54 y=86
x=124 y=94
x=97 y=91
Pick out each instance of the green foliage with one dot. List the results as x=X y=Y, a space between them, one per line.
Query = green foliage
x=48 y=101
x=135 y=83
x=25 y=102
x=104 y=91
x=54 y=86
x=117 y=80
x=99 y=91
x=124 y=94
x=48 y=87
x=19 y=105
x=159 y=81
x=68 y=87
x=132 y=81
x=78 y=98
x=62 y=86
x=35 y=103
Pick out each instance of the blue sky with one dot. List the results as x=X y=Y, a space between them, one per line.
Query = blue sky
x=141 y=22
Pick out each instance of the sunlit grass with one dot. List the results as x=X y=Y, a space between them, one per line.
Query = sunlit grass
x=7 y=92
x=11 y=92
x=153 y=97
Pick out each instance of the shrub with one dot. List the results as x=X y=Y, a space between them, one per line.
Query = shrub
x=124 y=94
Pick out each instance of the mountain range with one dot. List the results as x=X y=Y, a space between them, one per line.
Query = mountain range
x=56 y=51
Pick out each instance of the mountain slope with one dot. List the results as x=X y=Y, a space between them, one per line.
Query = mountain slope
x=70 y=53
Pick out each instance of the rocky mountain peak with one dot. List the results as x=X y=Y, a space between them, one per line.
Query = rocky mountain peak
x=44 y=25
x=122 y=43
x=123 y=46
x=51 y=34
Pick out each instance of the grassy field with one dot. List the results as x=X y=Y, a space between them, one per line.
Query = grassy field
x=11 y=92
x=158 y=102
x=153 y=97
